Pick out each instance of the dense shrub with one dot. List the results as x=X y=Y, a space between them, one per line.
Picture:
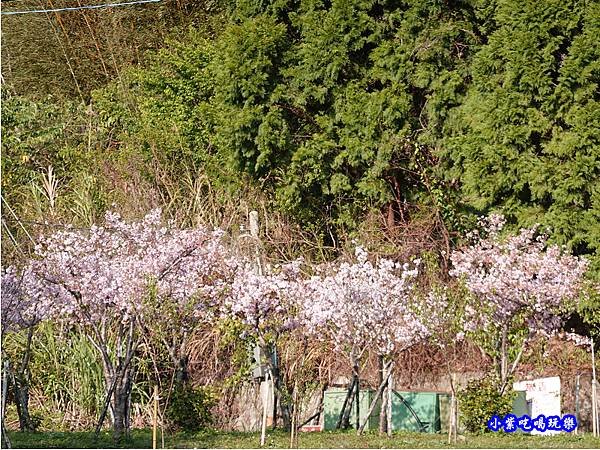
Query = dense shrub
x=189 y=407
x=480 y=400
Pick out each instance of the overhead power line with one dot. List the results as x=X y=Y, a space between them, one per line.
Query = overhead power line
x=77 y=8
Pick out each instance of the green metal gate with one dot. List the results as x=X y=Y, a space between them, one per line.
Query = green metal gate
x=419 y=411
x=332 y=407
x=411 y=411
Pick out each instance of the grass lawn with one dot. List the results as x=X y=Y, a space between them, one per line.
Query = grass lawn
x=280 y=439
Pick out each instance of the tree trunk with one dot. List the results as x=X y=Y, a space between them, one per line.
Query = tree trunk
x=181 y=360
x=340 y=422
x=382 y=386
x=5 y=440
x=354 y=393
x=21 y=391
x=272 y=361
x=20 y=380
x=279 y=405
x=182 y=374
x=5 y=369
x=118 y=381
x=119 y=402
x=357 y=398
x=504 y=356
x=453 y=425
x=121 y=395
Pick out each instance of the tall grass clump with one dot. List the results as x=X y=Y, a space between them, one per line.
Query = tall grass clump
x=66 y=385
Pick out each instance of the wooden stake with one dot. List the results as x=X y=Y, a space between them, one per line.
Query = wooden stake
x=346 y=406
x=594 y=399
x=292 y=426
x=155 y=417
x=390 y=391
x=254 y=232
x=4 y=386
x=382 y=376
x=294 y=417
x=355 y=371
x=296 y=429
x=5 y=440
x=577 y=384
x=594 y=410
x=263 y=427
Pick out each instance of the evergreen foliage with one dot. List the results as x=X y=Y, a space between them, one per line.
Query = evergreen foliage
x=338 y=108
x=526 y=137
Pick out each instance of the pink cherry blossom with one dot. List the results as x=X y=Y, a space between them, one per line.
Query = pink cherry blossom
x=102 y=277
x=579 y=340
x=517 y=275
x=518 y=282
x=263 y=302
x=362 y=305
x=108 y=269
x=20 y=308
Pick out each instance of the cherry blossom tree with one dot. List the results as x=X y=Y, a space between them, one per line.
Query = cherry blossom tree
x=361 y=306
x=20 y=311
x=104 y=279
x=190 y=273
x=521 y=286
x=263 y=304
x=443 y=307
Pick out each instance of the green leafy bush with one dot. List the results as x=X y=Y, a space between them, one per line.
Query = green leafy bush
x=480 y=400
x=189 y=407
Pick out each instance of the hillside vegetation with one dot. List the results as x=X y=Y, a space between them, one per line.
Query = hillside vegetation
x=325 y=112
x=387 y=126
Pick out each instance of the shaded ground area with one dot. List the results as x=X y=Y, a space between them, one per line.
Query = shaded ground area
x=279 y=439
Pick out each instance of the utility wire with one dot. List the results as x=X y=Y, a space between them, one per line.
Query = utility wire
x=77 y=8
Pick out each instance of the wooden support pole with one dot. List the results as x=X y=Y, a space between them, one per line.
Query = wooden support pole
x=355 y=369
x=577 y=388
x=5 y=440
x=264 y=393
x=346 y=406
x=294 y=427
x=595 y=430
x=450 y=418
x=390 y=391
x=155 y=417
x=255 y=233
x=263 y=426
x=382 y=376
